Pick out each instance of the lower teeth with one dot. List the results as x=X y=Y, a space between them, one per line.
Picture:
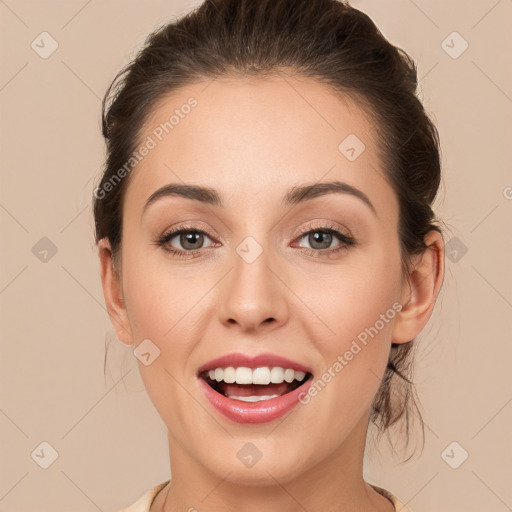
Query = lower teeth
x=253 y=398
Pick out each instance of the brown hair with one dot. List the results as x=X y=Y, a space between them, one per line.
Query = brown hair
x=327 y=40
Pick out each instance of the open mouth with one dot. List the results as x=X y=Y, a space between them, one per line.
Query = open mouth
x=254 y=392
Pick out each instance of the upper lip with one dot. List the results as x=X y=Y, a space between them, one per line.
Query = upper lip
x=238 y=359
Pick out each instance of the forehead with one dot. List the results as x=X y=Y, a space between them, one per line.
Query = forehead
x=246 y=136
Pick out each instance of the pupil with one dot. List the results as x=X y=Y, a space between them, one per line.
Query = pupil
x=318 y=236
x=189 y=238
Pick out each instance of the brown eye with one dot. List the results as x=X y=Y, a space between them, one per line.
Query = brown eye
x=190 y=240
x=187 y=241
x=319 y=239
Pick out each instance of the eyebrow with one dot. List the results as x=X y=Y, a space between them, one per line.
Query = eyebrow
x=294 y=196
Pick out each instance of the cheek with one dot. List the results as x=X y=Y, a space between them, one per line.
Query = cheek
x=356 y=298
x=147 y=304
x=357 y=306
x=156 y=297
x=160 y=311
x=162 y=306
x=358 y=310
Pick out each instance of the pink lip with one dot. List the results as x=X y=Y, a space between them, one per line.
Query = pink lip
x=237 y=359
x=254 y=412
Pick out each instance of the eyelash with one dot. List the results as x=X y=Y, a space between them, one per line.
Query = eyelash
x=346 y=241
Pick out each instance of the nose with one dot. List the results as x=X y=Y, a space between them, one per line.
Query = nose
x=253 y=295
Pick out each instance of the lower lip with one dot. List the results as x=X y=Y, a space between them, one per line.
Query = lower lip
x=254 y=412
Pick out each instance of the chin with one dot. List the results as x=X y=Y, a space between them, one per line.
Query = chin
x=262 y=470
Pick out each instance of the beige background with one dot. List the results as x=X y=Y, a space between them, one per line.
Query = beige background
x=110 y=441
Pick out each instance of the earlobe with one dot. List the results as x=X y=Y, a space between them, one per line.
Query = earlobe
x=113 y=293
x=420 y=290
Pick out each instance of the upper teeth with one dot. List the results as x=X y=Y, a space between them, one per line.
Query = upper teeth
x=263 y=375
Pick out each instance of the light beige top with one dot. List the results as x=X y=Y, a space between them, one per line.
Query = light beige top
x=144 y=502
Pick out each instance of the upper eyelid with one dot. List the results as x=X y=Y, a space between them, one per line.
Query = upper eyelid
x=302 y=231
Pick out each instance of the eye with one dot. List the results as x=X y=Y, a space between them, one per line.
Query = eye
x=190 y=239
x=321 y=238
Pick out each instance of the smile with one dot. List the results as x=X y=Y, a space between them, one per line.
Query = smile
x=254 y=385
x=254 y=394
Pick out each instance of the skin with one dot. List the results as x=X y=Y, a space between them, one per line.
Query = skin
x=252 y=140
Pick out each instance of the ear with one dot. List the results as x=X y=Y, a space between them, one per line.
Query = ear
x=420 y=290
x=113 y=293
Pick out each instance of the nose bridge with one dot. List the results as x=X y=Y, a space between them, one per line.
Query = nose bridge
x=253 y=294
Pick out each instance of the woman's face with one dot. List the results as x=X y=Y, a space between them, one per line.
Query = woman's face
x=258 y=273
